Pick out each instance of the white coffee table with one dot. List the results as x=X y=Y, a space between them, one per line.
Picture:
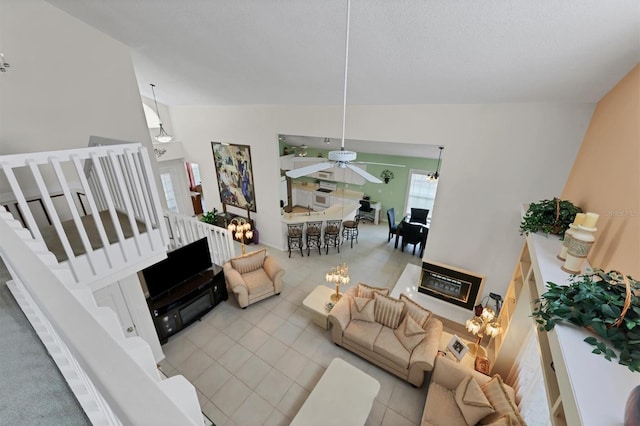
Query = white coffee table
x=316 y=303
x=344 y=395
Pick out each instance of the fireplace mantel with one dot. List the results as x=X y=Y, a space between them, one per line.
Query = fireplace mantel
x=408 y=284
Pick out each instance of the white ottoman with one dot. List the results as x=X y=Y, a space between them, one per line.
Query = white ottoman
x=344 y=395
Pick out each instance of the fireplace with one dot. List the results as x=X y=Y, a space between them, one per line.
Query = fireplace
x=451 y=284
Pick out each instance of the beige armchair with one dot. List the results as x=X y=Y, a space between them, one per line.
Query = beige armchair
x=253 y=277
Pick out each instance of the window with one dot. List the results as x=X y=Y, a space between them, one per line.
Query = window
x=169 y=193
x=421 y=192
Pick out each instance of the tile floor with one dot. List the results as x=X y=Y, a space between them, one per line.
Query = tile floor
x=256 y=366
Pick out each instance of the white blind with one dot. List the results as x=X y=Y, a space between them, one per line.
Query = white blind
x=526 y=378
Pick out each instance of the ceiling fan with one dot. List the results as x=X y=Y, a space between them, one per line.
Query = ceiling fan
x=342 y=159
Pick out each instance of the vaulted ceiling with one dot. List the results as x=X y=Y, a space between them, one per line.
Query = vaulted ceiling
x=235 y=52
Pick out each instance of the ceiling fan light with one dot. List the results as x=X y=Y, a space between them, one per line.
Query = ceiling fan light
x=163 y=136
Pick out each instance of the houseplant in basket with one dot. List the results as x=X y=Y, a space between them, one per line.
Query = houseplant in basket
x=603 y=302
x=549 y=216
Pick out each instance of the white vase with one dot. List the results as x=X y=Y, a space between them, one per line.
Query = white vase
x=578 y=248
x=568 y=236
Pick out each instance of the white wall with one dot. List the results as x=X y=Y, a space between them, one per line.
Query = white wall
x=67 y=81
x=496 y=158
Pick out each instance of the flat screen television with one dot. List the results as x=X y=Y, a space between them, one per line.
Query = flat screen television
x=180 y=265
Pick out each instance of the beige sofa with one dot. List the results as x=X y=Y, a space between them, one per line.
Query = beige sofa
x=442 y=409
x=403 y=350
x=253 y=277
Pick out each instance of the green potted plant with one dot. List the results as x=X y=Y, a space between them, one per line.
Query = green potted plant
x=603 y=302
x=210 y=217
x=387 y=175
x=549 y=216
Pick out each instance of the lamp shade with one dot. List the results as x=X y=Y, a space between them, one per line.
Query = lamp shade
x=493 y=328
x=474 y=325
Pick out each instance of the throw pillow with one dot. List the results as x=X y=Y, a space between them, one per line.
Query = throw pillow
x=362 y=309
x=409 y=333
x=417 y=312
x=249 y=262
x=367 y=291
x=471 y=401
x=388 y=311
x=498 y=396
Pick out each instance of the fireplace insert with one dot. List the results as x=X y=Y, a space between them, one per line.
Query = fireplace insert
x=451 y=284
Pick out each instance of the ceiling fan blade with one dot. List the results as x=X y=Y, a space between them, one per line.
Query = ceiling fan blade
x=364 y=174
x=307 y=170
x=379 y=164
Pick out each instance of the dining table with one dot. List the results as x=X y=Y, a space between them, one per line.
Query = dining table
x=399 y=232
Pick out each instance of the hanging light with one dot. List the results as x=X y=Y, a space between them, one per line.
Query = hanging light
x=432 y=177
x=163 y=136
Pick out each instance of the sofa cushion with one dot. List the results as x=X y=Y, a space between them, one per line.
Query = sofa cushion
x=249 y=262
x=471 y=401
x=388 y=345
x=362 y=309
x=441 y=408
x=416 y=311
x=362 y=333
x=388 y=311
x=258 y=282
x=409 y=333
x=367 y=291
x=497 y=394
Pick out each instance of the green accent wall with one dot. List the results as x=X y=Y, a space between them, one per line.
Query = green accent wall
x=391 y=194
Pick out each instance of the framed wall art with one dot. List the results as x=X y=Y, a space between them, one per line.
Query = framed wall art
x=235 y=175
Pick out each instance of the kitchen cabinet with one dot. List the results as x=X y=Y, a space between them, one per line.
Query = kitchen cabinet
x=302 y=197
x=299 y=162
x=354 y=178
x=347 y=175
x=339 y=200
x=287 y=162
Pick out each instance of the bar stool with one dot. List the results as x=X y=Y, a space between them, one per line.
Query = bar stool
x=314 y=230
x=294 y=237
x=332 y=234
x=350 y=229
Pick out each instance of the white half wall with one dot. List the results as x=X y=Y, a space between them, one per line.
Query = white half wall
x=496 y=158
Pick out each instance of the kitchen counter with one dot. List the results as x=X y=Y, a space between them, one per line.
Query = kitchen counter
x=343 y=212
x=347 y=193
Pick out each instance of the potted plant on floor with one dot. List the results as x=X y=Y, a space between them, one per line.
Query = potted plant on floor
x=603 y=302
x=549 y=216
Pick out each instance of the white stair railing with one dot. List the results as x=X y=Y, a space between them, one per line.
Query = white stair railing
x=113 y=378
x=185 y=229
x=117 y=185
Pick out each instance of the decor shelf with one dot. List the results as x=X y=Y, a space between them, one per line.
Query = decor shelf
x=581 y=388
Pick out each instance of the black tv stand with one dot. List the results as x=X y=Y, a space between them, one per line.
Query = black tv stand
x=188 y=302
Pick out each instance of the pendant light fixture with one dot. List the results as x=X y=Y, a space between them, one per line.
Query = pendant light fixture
x=432 y=177
x=162 y=136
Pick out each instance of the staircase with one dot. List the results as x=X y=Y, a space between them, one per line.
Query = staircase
x=119 y=231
